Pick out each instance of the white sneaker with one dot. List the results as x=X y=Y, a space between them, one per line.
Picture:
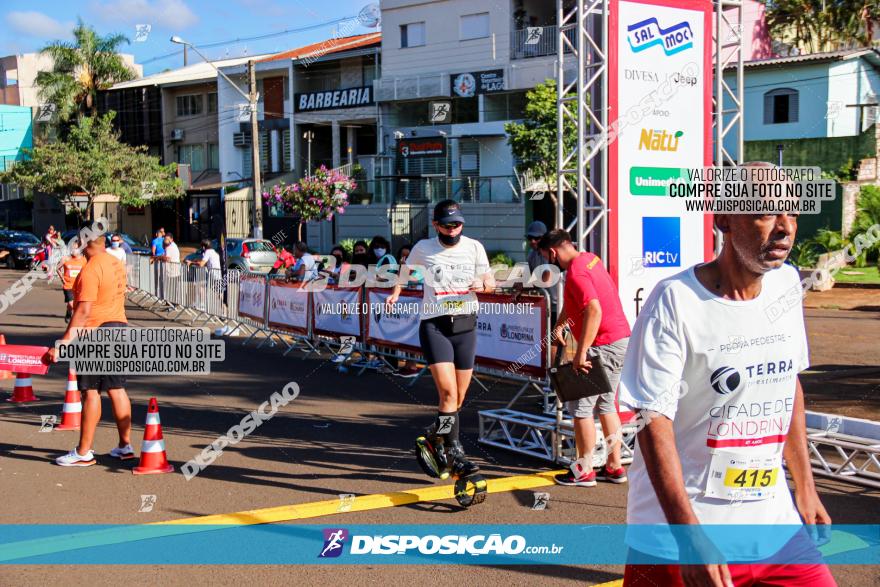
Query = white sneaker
x=73 y=459
x=123 y=453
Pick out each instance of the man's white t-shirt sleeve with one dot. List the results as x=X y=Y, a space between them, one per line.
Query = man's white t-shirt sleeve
x=416 y=259
x=173 y=253
x=653 y=369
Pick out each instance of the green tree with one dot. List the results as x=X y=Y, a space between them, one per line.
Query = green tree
x=823 y=25
x=80 y=69
x=533 y=141
x=91 y=160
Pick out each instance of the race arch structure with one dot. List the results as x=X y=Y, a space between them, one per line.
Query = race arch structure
x=641 y=81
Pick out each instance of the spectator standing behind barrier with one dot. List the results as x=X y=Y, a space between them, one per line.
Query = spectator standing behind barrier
x=305 y=268
x=211 y=262
x=380 y=255
x=689 y=380
x=99 y=302
x=157 y=246
x=116 y=248
x=68 y=271
x=455 y=268
x=170 y=271
x=536 y=258
x=600 y=328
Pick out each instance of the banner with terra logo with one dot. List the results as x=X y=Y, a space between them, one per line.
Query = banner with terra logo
x=337 y=311
x=660 y=81
x=399 y=329
x=252 y=298
x=511 y=333
x=288 y=307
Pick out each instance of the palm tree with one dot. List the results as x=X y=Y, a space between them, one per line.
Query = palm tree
x=80 y=69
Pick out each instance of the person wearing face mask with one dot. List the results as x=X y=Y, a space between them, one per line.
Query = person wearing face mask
x=68 y=271
x=379 y=247
x=340 y=266
x=116 y=248
x=359 y=254
x=454 y=267
x=600 y=327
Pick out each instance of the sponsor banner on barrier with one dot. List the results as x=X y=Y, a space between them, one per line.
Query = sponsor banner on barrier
x=288 y=307
x=20 y=358
x=512 y=333
x=399 y=328
x=327 y=320
x=252 y=298
x=384 y=544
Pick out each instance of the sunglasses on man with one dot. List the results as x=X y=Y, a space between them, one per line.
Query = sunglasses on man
x=450 y=225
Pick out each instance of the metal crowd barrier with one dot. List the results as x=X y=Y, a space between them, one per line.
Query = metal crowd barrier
x=242 y=302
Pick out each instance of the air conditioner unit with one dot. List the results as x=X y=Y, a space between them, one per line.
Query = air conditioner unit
x=241 y=139
x=177 y=134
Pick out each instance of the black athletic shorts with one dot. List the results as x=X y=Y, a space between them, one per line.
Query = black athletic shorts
x=102 y=382
x=68 y=295
x=441 y=346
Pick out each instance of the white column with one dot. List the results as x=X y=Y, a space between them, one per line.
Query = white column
x=337 y=157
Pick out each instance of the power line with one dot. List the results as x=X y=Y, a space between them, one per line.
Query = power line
x=248 y=39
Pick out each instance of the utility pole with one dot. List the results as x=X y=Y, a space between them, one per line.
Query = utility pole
x=255 y=148
x=308 y=136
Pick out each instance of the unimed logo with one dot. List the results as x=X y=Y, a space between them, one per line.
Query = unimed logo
x=334 y=539
x=661 y=241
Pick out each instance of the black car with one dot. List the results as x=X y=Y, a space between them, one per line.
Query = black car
x=21 y=247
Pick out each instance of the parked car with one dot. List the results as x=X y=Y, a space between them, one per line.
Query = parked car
x=250 y=254
x=21 y=247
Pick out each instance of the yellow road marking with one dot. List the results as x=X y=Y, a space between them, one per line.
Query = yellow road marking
x=131 y=533
x=617 y=583
x=316 y=509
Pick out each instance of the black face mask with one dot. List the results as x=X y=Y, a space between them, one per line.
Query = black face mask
x=447 y=239
x=338 y=260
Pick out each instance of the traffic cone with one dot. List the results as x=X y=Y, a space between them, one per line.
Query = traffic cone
x=153 y=459
x=5 y=374
x=71 y=414
x=22 y=392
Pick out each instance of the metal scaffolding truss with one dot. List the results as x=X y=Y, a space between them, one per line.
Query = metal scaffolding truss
x=850 y=459
x=727 y=37
x=583 y=101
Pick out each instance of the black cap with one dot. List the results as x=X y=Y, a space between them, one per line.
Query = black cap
x=448 y=211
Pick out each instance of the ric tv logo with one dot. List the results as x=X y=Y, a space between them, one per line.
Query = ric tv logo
x=661 y=241
x=648 y=33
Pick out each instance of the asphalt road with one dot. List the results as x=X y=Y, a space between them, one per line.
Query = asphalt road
x=343 y=434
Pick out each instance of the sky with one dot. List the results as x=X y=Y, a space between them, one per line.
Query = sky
x=28 y=25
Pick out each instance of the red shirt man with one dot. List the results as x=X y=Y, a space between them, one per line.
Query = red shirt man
x=592 y=307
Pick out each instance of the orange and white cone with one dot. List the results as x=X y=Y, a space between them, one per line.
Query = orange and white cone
x=5 y=374
x=71 y=414
x=153 y=459
x=23 y=391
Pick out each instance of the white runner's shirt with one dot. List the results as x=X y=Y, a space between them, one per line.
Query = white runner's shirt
x=448 y=274
x=738 y=361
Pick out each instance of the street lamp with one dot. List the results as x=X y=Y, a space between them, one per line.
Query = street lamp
x=252 y=97
x=309 y=135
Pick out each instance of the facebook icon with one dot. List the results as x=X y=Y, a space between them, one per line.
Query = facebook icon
x=661 y=241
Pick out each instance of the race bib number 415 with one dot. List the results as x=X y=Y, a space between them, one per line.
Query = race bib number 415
x=736 y=476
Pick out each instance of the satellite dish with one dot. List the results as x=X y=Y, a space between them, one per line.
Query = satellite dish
x=370 y=15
